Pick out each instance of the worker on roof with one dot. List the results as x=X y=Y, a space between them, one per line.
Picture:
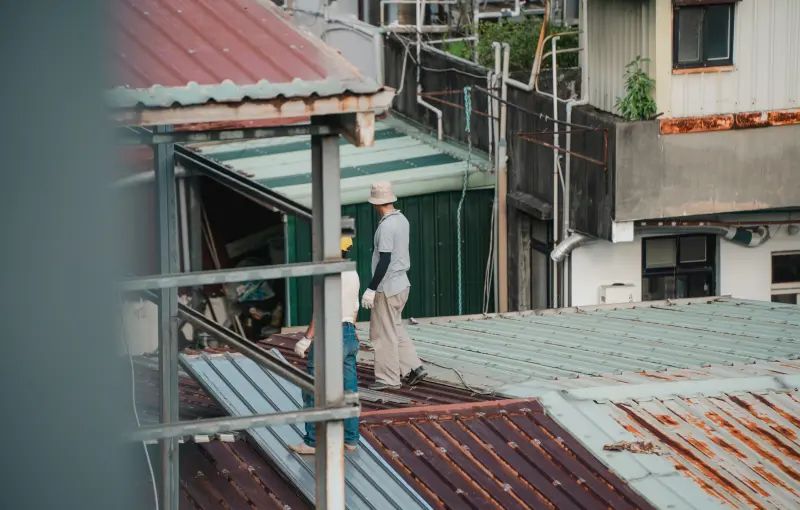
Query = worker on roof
x=350 y=288
x=396 y=358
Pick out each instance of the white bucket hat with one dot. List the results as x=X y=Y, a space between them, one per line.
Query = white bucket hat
x=381 y=193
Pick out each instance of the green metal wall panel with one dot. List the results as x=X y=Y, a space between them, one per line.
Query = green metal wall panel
x=433 y=249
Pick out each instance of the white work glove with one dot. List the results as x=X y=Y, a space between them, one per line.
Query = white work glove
x=368 y=299
x=302 y=346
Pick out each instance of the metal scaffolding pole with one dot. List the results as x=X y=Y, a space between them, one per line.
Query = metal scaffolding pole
x=329 y=386
x=168 y=317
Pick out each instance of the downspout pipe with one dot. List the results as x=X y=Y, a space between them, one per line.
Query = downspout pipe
x=420 y=101
x=747 y=237
x=569 y=244
x=584 y=38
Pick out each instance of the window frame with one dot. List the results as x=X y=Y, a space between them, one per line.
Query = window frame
x=786 y=288
x=709 y=266
x=704 y=63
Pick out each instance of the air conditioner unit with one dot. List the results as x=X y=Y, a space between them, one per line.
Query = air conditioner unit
x=617 y=293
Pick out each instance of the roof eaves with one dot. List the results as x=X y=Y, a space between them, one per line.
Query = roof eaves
x=193 y=94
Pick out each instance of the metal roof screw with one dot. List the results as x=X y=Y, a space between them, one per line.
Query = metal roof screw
x=556 y=483
x=146 y=13
x=443 y=449
x=506 y=487
x=191 y=50
x=512 y=444
x=418 y=453
x=395 y=454
x=459 y=492
x=225 y=50
x=180 y=10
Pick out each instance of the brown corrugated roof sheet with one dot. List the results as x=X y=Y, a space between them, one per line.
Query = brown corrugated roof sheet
x=231 y=475
x=188 y=53
x=494 y=455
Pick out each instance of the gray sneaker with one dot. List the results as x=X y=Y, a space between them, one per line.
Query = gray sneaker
x=415 y=376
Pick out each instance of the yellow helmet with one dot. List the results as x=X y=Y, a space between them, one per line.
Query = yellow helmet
x=346 y=243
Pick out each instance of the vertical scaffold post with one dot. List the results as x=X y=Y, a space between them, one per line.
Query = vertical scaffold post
x=329 y=388
x=168 y=317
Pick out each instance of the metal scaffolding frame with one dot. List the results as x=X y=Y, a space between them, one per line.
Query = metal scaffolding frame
x=332 y=405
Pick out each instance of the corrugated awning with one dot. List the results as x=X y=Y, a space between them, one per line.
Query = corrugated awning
x=414 y=162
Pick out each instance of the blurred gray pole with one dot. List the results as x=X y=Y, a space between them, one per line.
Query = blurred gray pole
x=328 y=356
x=65 y=377
x=168 y=317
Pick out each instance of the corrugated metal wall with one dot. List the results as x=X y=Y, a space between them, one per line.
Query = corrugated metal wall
x=433 y=275
x=766 y=55
x=619 y=31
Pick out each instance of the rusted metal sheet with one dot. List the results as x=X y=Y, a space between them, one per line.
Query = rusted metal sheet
x=747 y=120
x=172 y=52
x=696 y=124
x=506 y=455
x=218 y=475
x=245 y=108
x=742 y=448
x=427 y=393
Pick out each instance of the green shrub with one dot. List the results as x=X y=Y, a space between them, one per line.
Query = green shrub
x=638 y=102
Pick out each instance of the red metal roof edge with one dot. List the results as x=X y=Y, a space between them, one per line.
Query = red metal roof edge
x=467 y=408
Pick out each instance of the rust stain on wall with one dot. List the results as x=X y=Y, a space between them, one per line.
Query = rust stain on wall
x=746 y=120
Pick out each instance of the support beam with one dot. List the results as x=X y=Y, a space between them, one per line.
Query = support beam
x=530 y=205
x=358 y=128
x=168 y=318
x=127 y=136
x=329 y=380
x=236 y=275
x=227 y=424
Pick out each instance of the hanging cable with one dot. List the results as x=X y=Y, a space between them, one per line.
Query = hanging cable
x=133 y=397
x=467 y=111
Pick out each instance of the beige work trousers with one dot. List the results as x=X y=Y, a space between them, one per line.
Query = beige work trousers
x=395 y=354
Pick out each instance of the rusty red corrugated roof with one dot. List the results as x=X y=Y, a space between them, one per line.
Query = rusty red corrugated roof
x=505 y=454
x=217 y=475
x=188 y=53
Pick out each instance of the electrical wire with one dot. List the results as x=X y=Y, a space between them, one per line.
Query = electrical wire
x=489 y=272
x=133 y=401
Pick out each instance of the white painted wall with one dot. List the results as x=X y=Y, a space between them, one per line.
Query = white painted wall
x=743 y=272
x=605 y=263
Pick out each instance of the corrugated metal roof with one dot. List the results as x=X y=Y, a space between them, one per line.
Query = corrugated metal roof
x=188 y=53
x=612 y=344
x=730 y=443
x=416 y=163
x=195 y=403
x=242 y=387
x=427 y=393
x=217 y=475
x=498 y=455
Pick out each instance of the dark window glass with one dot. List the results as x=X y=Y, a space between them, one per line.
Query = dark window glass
x=717 y=32
x=693 y=249
x=789 y=299
x=690 y=27
x=703 y=36
x=785 y=268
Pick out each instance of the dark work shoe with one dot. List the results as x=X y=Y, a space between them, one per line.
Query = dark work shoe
x=416 y=376
x=379 y=386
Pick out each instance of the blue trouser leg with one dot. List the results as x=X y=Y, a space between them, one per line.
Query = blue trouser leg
x=350 y=348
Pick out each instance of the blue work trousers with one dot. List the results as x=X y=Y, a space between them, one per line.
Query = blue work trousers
x=350 y=348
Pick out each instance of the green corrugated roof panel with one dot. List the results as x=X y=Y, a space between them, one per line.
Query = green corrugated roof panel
x=415 y=163
x=610 y=346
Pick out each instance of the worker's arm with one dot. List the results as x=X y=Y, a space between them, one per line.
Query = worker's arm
x=380 y=270
x=310 y=330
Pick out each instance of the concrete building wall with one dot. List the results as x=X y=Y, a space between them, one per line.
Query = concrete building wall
x=704 y=173
x=742 y=272
x=618 y=32
x=766 y=74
